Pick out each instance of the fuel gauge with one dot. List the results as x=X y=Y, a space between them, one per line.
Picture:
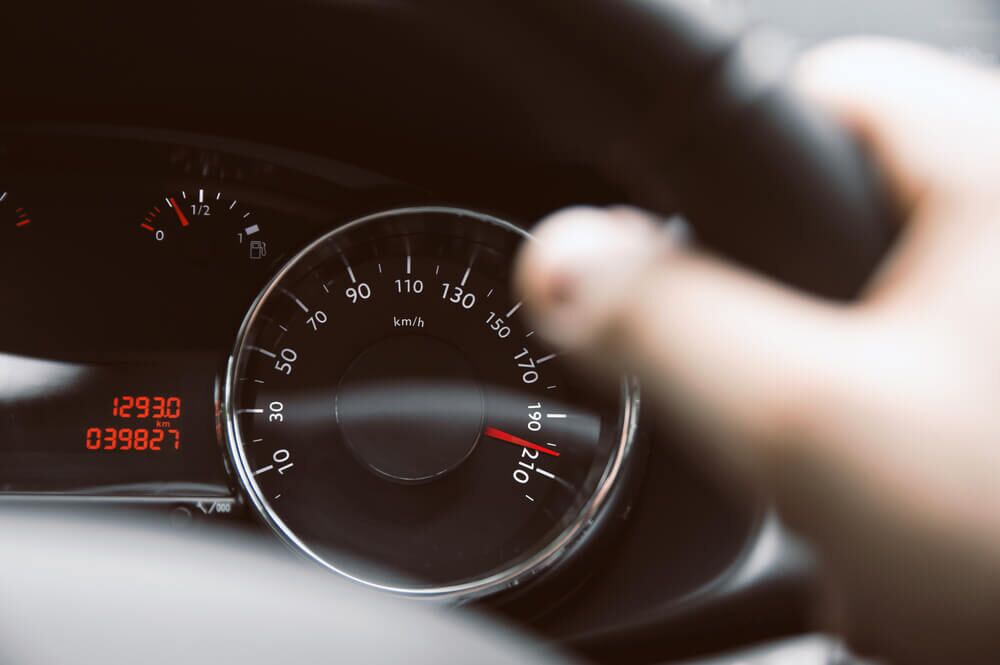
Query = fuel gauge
x=206 y=225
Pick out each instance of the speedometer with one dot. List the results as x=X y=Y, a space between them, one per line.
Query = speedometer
x=393 y=417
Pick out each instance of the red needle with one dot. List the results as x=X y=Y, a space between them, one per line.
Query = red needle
x=180 y=213
x=517 y=441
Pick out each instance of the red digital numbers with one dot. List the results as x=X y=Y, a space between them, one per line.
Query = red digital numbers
x=133 y=438
x=145 y=406
x=159 y=435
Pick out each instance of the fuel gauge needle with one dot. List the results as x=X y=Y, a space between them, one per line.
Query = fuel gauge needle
x=500 y=435
x=180 y=213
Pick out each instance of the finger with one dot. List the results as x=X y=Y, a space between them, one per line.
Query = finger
x=736 y=356
x=929 y=119
x=928 y=116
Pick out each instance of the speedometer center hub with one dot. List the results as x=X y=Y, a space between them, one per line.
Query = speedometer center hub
x=410 y=409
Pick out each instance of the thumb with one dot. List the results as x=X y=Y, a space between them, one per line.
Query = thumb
x=731 y=353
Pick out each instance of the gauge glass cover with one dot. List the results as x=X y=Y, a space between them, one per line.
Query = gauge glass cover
x=392 y=415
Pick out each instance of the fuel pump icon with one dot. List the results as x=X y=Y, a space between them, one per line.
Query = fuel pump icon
x=258 y=249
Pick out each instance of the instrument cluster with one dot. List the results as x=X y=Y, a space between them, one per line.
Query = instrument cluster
x=226 y=328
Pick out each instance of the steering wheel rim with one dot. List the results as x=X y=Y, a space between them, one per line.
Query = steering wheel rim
x=112 y=588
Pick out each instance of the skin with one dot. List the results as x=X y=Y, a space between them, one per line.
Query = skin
x=873 y=426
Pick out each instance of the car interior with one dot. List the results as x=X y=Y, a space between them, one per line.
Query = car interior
x=265 y=388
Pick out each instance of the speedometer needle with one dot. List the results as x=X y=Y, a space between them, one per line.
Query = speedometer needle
x=495 y=433
x=180 y=213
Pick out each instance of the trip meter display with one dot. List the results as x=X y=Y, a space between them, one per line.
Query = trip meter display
x=387 y=403
x=140 y=423
x=137 y=427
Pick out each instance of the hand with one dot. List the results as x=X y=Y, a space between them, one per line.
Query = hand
x=874 y=426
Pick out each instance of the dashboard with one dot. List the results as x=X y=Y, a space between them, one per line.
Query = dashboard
x=219 y=332
x=254 y=274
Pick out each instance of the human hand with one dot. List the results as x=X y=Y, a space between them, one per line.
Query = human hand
x=872 y=425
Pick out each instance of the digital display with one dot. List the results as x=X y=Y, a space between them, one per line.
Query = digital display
x=134 y=426
x=154 y=425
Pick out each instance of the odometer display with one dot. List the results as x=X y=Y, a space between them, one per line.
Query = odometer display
x=393 y=416
x=132 y=426
x=149 y=425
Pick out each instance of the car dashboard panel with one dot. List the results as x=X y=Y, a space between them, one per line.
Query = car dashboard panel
x=130 y=261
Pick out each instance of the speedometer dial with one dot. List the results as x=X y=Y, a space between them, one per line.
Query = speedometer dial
x=391 y=415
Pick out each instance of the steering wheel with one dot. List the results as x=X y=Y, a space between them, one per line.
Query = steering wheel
x=682 y=106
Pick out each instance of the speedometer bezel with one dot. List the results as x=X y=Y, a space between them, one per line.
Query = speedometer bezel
x=571 y=539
